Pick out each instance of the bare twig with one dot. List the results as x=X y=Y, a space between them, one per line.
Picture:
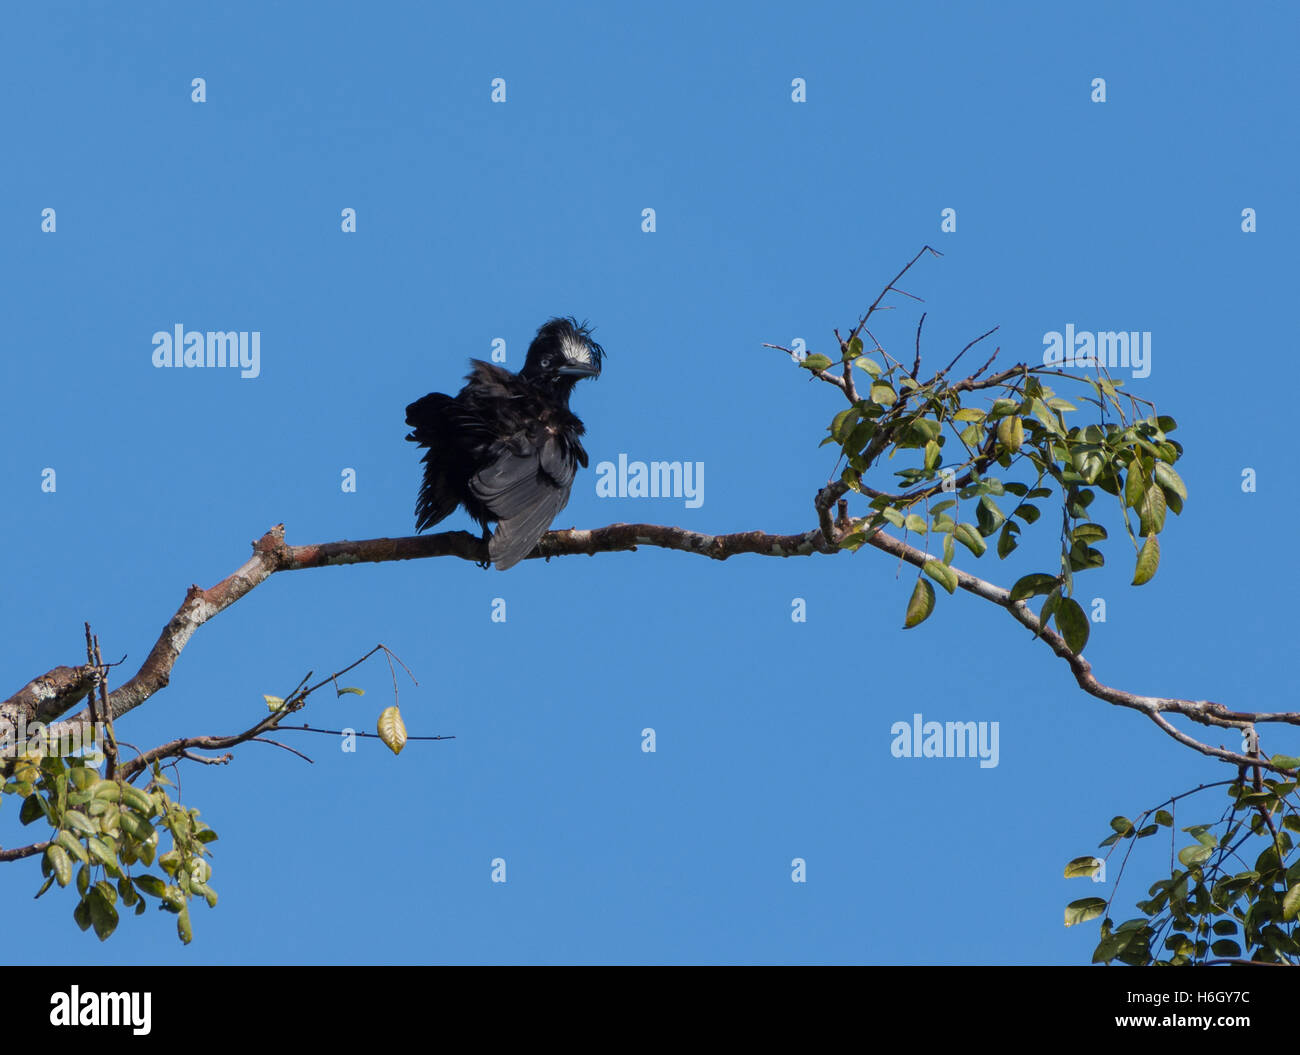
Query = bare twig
x=876 y=303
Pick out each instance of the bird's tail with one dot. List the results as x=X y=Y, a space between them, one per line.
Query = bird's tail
x=437 y=498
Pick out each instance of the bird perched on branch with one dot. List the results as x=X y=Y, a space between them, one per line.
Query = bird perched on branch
x=507 y=446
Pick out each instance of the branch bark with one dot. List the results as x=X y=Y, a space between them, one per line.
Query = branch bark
x=271 y=554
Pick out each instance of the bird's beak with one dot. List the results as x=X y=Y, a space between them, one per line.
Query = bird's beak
x=572 y=369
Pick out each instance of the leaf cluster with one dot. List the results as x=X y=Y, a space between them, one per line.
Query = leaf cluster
x=1215 y=904
x=104 y=834
x=959 y=448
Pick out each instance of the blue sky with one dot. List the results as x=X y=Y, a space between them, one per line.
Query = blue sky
x=775 y=220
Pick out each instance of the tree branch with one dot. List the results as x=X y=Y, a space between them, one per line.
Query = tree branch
x=272 y=554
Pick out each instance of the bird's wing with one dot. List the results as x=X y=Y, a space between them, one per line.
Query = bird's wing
x=525 y=487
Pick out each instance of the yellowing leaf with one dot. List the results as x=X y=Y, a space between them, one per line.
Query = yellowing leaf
x=1011 y=433
x=1151 y=512
x=1082 y=866
x=921 y=604
x=1148 y=561
x=1083 y=910
x=942 y=574
x=392 y=730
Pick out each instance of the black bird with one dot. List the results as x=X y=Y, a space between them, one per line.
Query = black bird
x=507 y=446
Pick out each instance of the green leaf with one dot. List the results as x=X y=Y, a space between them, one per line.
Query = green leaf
x=1048 y=419
x=105 y=855
x=151 y=885
x=1165 y=818
x=1226 y=948
x=78 y=820
x=1083 y=910
x=136 y=827
x=59 y=862
x=1135 y=485
x=942 y=574
x=1007 y=539
x=933 y=454
x=815 y=362
x=841 y=426
x=969 y=414
x=33 y=808
x=882 y=392
x=1049 y=606
x=921 y=604
x=273 y=703
x=868 y=364
x=1191 y=856
x=355 y=692
x=970 y=538
x=83 y=777
x=1147 y=562
x=183 y=929
x=1032 y=585
x=915 y=522
x=988 y=514
x=1286 y=761
x=1290 y=903
x=137 y=800
x=1088 y=533
x=1073 y=624
x=107 y=791
x=73 y=846
x=1167 y=478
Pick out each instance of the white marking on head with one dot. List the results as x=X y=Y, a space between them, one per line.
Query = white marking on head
x=575 y=350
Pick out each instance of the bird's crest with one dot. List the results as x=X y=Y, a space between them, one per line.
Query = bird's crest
x=572 y=340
